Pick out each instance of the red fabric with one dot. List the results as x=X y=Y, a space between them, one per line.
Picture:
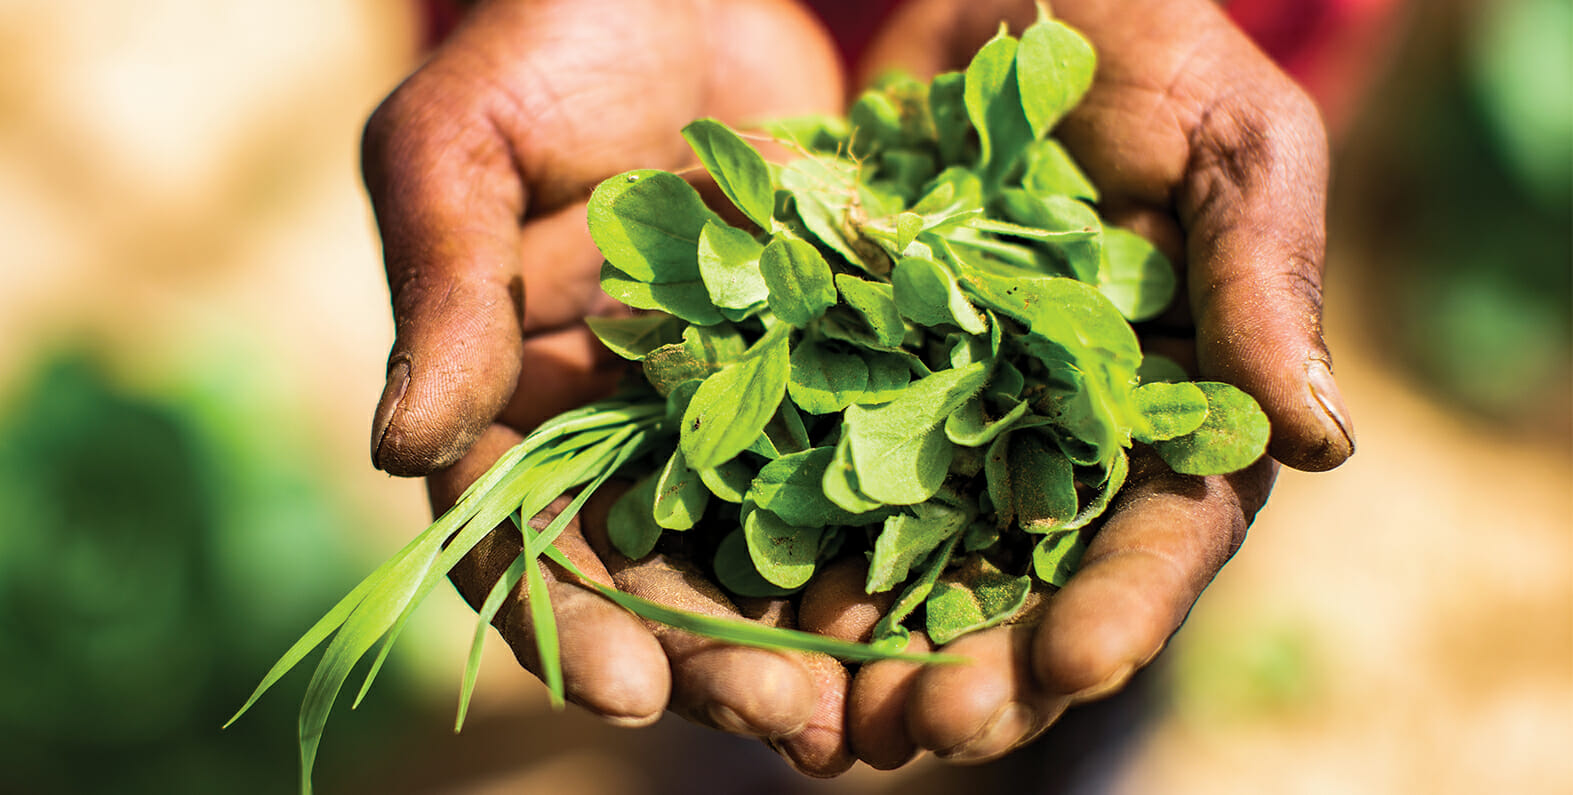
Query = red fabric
x=1331 y=47
x=852 y=24
x=438 y=19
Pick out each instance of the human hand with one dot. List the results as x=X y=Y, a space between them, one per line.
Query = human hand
x=479 y=167
x=1198 y=142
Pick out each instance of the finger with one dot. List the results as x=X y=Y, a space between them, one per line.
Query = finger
x=877 y=709
x=980 y=710
x=749 y=691
x=448 y=202
x=1165 y=539
x=561 y=369
x=1253 y=201
x=820 y=749
x=836 y=604
x=611 y=663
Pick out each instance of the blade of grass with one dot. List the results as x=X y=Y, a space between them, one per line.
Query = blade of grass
x=360 y=630
x=335 y=618
x=531 y=463
x=743 y=633
x=605 y=459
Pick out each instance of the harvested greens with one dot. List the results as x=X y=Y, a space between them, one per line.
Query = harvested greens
x=917 y=349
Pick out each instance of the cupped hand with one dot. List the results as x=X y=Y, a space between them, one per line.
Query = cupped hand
x=1197 y=141
x=479 y=166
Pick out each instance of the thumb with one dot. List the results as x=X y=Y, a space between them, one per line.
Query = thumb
x=447 y=199
x=1253 y=203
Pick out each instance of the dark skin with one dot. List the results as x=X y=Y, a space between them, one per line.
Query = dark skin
x=479 y=166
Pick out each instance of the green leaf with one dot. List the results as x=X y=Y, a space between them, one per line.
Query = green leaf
x=1050 y=171
x=824 y=380
x=635 y=336
x=1074 y=327
x=646 y=224
x=888 y=376
x=630 y=524
x=926 y=293
x=875 y=302
x=731 y=407
x=889 y=633
x=1078 y=247
x=1170 y=410
x=1044 y=488
x=899 y=448
x=1057 y=556
x=703 y=351
x=907 y=539
x=784 y=554
x=1113 y=481
x=728 y=481
x=1157 y=368
x=840 y=483
x=970 y=427
x=823 y=191
x=801 y=283
x=686 y=299
x=545 y=628
x=1054 y=68
x=993 y=100
x=876 y=123
x=974 y=597
x=738 y=168
x=729 y=267
x=1135 y=275
x=1231 y=438
x=735 y=570
x=789 y=487
x=821 y=131
x=947 y=105
x=680 y=496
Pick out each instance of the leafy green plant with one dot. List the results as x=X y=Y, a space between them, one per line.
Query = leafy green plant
x=918 y=350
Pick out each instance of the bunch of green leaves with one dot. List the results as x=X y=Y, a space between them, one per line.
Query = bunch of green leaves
x=917 y=346
x=914 y=346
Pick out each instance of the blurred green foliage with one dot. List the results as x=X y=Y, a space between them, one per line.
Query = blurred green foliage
x=158 y=553
x=1466 y=203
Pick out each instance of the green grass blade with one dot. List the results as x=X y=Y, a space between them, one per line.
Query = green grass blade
x=365 y=624
x=545 y=624
x=536 y=479
x=492 y=512
x=744 y=633
x=472 y=667
x=545 y=621
x=527 y=465
x=330 y=622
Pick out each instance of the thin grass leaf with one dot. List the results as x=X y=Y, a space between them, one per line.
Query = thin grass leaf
x=472 y=666
x=365 y=624
x=320 y=631
x=542 y=491
x=541 y=615
x=743 y=633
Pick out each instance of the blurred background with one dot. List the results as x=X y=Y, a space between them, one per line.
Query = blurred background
x=193 y=329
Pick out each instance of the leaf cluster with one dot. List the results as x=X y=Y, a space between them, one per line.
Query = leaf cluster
x=918 y=347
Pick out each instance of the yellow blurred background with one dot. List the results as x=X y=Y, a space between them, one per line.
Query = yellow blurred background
x=193 y=328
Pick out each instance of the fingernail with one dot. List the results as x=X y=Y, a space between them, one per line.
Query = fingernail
x=392 y=399
x=1004 y=731
x=1320 y=376
x=1111 y=683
